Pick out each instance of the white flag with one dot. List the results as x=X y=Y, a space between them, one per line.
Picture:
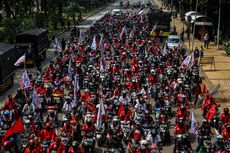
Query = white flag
x=22 y=59
x=75 y=85
x=186 y=62
x=131 y=33
x=193 y=124
x=57 y=44
x=94 y=45
x=35 y=99
x=100 y=113
x=26 y=80
x=154 y=28
x=141 y=12
x=124 y=31
x=101 y=45
x=81 y=36
x=165 y=49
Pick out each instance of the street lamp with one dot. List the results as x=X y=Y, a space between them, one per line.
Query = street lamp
x=194 y=26
x=218 y=29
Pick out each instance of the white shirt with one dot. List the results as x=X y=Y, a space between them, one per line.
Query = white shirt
x=68 y=107
x=125 y=100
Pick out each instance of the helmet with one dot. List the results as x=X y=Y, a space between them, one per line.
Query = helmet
x=226 y=110
x=144 y=142
x=47 y=125
x=6 y=144
x=154 y=146
x=57 y=139
x=115 y=119
x=219 y=137
x=204 y=121
x=86 y=90
x=6 y=112
x=12 y=140
x=31 y=142
x=75 y=143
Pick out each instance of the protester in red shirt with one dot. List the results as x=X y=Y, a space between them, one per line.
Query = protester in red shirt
x=57 y=145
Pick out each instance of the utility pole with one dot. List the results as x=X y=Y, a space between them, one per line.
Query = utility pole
x=218 y=29
x=194 y=26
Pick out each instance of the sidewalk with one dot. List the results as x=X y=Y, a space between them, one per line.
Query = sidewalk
x=222 y=63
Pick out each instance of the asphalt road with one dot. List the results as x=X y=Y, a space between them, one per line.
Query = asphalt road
x=51 y=55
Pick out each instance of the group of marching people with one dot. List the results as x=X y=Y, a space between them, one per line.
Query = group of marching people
x=115 y=87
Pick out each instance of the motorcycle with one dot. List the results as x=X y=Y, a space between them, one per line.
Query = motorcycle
x=125 y=126
x=45 y=145
x=100 y=135
x=88 y=144
x=164 y=133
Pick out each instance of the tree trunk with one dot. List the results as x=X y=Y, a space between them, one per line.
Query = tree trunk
x=7 y=8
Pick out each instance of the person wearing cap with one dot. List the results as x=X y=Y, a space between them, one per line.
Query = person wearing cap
x=57 y=145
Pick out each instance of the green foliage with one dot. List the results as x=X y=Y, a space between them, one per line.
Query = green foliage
x=227 y=46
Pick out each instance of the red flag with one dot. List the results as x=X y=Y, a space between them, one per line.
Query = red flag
x=121 y=110
x=211 y=113
x=16 y=128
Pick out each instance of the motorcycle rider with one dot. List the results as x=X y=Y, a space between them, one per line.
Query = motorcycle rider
x=69 y=105
x=225 y=116
x=75 y=148
x=28 y=108
x=136 y=133
x=57 y=145
x=31 y=147
x=124 y=99
x=67 y=129
x=88 y=127
x=127 y=115
x=181 y=127
x=47 y=133
x=226 y=132
x=6 y=147
x=219 y=145
x=204 y=133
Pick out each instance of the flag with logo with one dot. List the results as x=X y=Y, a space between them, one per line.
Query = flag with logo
x=75 y=86
x=57 y=44
x=186 y=62
x=26 y=80
x=70 y=69
x=22 y=59
x=35 y=99
x=100 y=113
x=81 y=36
x=94 y=44
x=193 y=124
